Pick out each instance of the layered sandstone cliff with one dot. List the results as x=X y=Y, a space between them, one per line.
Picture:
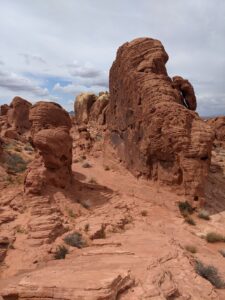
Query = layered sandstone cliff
x=150 y=127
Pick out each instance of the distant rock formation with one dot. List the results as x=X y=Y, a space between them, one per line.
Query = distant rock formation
x=218 y=125
x=89 y=107
x=18 y=114
x=50 y=136
x=149 y=128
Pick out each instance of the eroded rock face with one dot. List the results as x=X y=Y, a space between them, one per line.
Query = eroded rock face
x=82 y=107
x=18 y=114
x=3 y=109
x=218 y=125
x=187 y=92
x=50 y=136
x=149 y=127
x=90 y=107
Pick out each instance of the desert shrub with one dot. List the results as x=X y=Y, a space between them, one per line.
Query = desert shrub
x=106 y=168
x=214 y=237
x=222 y=252
x=189 y=220
x=75 y=239
x=144 y=213
x=86 y=227
x=71 y=213
x=61 y=252
x=185 y=208
x=210 y=273
x=204 y=214
x=86 y=165
x=17 y=149
x=15 y=163
x=191 y=248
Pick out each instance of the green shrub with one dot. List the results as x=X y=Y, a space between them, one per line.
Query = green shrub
x=61 y=252
x=213 y=237
x=185 y=208
x=191 y=248
x=210 y=273
x=204 y=214
x=75 y=239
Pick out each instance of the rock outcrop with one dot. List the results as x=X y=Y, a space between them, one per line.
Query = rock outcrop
x=187 y=92
x=149 y=128
x=89 y=107
x=18 y=115
x=218 y=125
x=50 y=136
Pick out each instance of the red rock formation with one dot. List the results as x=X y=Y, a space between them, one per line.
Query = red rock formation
x=4 y=109
x=218 y=125
x=149 y=128
x=18 y=115
x=187 y=92
x=50 y=136
x=97 y=113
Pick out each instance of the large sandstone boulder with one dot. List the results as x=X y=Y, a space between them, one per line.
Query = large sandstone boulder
x=50 y=137
x=150 y=129
x=18 y=114
x=4 y=109
x=218 y=125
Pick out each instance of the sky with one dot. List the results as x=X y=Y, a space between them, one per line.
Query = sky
x=55 y=49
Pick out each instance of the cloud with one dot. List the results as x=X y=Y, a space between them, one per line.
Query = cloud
x=18 y=84
x=28 y=58
x=85 y=71
x=76 y=42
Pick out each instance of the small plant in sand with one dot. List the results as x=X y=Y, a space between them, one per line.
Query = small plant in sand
x=222 y=252
x=20 y=229
x=214 y=237
x=75 y=239
x=210 y=273
x=144 y=213
x=61 y=252
x=204 y=214
x=86 y=165
x=86 y=227
x=185 y=208
x=106 y=168
x=191 y=248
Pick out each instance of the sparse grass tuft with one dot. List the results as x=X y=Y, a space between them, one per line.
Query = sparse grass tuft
x=210 y=273
x=61 y=252
x=185 y=208
x=191 y=248
x=75 y=240
x=222 y=252
x=144 y=213
x=86 y=165
x=214 y=237
x=204 y=214
x=15 y=163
